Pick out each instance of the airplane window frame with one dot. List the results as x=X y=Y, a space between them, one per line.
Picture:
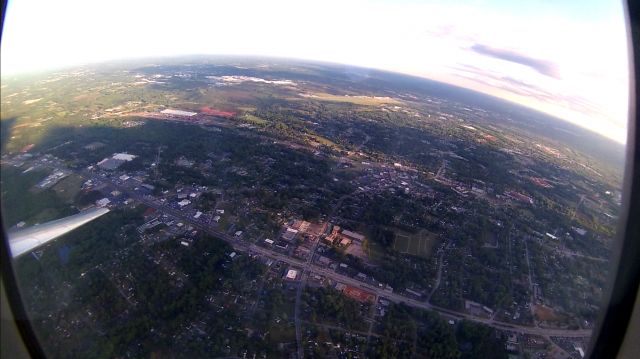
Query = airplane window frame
x=10 y=293
x=609 y=334
x=624 y=282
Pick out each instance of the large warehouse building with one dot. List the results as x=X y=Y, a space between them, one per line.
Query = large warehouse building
x=178 y=113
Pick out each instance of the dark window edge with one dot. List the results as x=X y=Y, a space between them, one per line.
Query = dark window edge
x=624 y=278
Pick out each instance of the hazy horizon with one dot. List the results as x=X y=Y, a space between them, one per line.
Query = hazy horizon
x=575 y=67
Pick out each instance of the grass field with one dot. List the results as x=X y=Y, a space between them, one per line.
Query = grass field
x=373 y=250
x=323 y=141
x=254 y=119
x=544 y=313
x=419 y=244
x=489 y=239
x=25 y=203
x=68 y=188
x=282 y=332
x=357 y=100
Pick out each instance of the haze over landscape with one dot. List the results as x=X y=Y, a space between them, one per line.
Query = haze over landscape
x=284 y=180
x=280 y=208
x=567 y=59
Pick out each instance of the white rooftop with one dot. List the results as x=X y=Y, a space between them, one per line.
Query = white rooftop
x=178 y=113
x=103 y=202
x=124 y=157
x=292 y=274
x=353 y=235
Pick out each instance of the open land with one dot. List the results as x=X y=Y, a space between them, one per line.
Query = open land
x=276 y=209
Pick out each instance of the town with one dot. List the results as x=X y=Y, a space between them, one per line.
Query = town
x=314 y=228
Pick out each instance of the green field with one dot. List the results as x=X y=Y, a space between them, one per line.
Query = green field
x=282 y=332
x=373 y=250
x=419 y=244
x=323 y=141
x=25 y=202
x=356 y=100
x=68 y=188
x=254 y=119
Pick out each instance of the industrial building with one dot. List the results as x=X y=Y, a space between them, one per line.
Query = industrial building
x=353 y=235
x=111 y=163
x=178 y=113
x=52 y=179
x=290 y=234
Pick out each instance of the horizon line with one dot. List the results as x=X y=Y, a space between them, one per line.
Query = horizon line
x=68 y=67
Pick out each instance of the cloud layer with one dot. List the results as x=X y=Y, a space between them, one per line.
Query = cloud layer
x=544 y=67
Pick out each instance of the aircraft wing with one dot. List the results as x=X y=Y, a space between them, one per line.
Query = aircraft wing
x=27 y=239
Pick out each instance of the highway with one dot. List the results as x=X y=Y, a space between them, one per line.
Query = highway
x=303 y=282
x=312 y=268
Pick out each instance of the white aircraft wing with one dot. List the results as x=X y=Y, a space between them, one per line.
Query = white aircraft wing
x=27 y=239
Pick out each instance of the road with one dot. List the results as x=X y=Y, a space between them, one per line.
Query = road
x=531 y=290
x=570 y=253
x=296 y=315
x=567 y=252
x=438 y=275
x=312 y=268
x=303 y=283
x=442 y=170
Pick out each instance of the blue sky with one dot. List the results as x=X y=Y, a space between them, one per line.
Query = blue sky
x=566 y=58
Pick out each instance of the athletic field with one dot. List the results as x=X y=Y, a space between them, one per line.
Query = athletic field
x=419 y=244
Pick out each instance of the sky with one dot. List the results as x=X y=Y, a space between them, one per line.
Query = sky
x=566 y=58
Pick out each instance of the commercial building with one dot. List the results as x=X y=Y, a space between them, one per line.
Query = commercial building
x=292 y=274
x=290 y=234
x=359 y=294
x=178 y=113
x=345 y=242
x=353 y=235
x=103 y=202
x=124 y=157
x=53 y=178
x=111 y=163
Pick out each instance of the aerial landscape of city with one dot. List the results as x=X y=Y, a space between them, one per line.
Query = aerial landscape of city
x=262 y=208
